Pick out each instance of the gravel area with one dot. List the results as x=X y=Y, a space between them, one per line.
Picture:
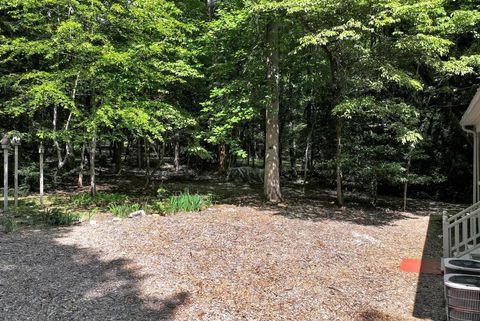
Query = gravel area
x=225 y=263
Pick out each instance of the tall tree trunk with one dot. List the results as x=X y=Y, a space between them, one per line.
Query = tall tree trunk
x=292 y=150
x=311 y=119
x=93 y=184
x=176 y=159
x=62 y=161
x=119 y=147
x=335 y=93
x=148 y=178
x=211 y=9
x=338 y=161
x=82 y=165
x=405 y=185
x=254 y=154
x=161 y=157
x=272 y=170
x=139 y=154
x=222 y=153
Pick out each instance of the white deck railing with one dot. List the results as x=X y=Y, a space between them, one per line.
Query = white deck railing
x=461 y=232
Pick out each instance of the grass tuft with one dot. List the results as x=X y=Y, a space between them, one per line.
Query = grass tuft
x=121 y=210
x=186 y=202
x=8 y=224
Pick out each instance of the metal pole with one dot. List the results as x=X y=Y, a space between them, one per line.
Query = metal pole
x=16 y=176
x=5 y=179
x=41 y=151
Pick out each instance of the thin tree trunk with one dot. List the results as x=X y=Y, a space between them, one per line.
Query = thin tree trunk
x=405 y=185
x=305 y=161
x=211 y=9
x=139 y=154
x=82 y=165
x=119 y=147
x=311 y=119
x=292 y=150
x=161 y=160
x=222 y=153
x=62 y=161
x=93 y=184
x=254 y=154
x=176 y=159
x=272 y=170
x=339 y=128
x=147 y=162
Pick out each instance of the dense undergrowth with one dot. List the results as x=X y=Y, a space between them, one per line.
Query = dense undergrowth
x=65 y=209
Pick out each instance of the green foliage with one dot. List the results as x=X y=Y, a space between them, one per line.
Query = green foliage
x=58 y=217
x=102 y=199
x=126 y=66
x=8 y=223
x=186 y=202
x=397 y=74
x=159 y=207
x=122 y=210
x=246 y=175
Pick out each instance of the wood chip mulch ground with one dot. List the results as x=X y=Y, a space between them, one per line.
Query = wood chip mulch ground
x=227 y=263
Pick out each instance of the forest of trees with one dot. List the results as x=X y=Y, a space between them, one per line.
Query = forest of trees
x=354 y=95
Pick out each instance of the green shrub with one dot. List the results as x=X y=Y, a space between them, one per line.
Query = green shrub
x=159 y=207
x=22 y=191
x=29 y=175
x=109 y=198
x=121 y=210
x=8 y=223
x=186 y=202
x=101 y=199
x=82 y=199
x=246 y=174
x=56 y=217
x=161 y=192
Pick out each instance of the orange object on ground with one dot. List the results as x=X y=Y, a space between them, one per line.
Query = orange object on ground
x=421 y=266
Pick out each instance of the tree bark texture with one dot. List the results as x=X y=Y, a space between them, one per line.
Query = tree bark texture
x=176 y=159
x=93 y=184
x=272 y=170
x=222 y=153
x=82 y=165
x=338 y=161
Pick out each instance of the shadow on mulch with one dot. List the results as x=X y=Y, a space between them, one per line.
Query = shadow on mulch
x=41 y=279
x=429 y=298
x=375 y=315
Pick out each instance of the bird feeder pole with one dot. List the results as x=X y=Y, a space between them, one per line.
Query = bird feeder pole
x=5 y=146
x=41 y=152
x=16 y=143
